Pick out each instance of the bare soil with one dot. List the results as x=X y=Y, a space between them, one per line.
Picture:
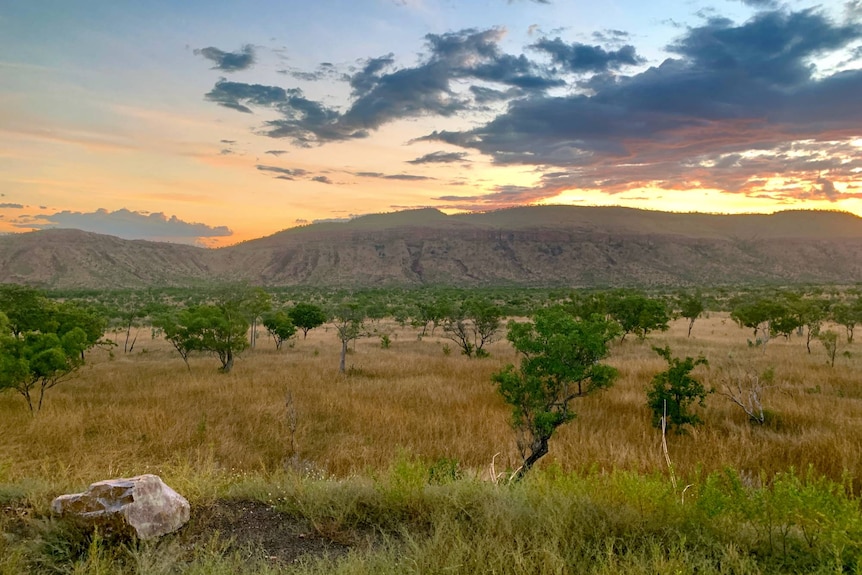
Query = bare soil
x=255 y=527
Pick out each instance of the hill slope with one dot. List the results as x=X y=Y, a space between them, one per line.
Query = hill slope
x=576 y=246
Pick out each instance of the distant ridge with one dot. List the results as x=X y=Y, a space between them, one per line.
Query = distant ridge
x=542 y=245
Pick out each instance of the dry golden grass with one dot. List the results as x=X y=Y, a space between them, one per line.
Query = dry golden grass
x=145 y=412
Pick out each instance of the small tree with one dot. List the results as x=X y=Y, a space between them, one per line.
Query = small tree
x=691 y=306
x=279 y=326
x=254 y=303
x=306 y=316
x=745 y=388
x=472 y=325
x=43 y=349
x=638 y=314
x=216 y=329
x=348 y=320
x=674 y=391
x=830 y=340
x=560 y=358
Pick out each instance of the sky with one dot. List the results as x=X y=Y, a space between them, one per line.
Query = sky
x=215 y=122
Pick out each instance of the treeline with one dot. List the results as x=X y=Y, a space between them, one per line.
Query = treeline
x=44 y=336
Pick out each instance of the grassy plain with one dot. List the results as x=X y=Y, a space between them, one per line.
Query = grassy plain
x=358 y=452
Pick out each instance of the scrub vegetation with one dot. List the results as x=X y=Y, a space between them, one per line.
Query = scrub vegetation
x=406 y=459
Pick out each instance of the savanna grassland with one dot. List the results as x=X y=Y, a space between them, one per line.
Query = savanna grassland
x=401 y=465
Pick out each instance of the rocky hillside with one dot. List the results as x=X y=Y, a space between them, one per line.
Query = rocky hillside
x=577 y=246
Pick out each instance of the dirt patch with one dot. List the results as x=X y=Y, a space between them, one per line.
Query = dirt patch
x=255 y=526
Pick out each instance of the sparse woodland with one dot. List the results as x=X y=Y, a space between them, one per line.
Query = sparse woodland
x=405 y=459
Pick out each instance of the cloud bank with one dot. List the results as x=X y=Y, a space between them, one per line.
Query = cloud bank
x=130 y=225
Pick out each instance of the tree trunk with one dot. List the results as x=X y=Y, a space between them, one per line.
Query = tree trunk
x=342 y=366
x=538 y=450
x=690 y=325
x=228 y=364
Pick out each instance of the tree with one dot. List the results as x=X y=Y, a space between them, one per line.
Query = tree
x=847 y=314
x=255 y=302
x=348 y=320
x=638 y=314
x=673 y=391
x=306 y=316
x=560 y=358
x=433 y=310
x=279 y=326
x=473 y=324
x=829 y=339
x=175 y=327
x=45 y=343
x=691 y=306
x=25 y=308
x=216 y=329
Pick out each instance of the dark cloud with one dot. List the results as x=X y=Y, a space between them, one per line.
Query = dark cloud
x=404 y=177
x=439 y=158
x=131 y=225
x=761 y=4
x=732 y=93
x=229 y=142
x=275 y=152
x=12 y=206
x=229 y=61
x=485 y=95
x=382 y=93
x=283 y=173
x=321 y=179
x=581 y=58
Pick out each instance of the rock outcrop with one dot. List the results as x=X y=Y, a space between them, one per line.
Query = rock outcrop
x=142 y=505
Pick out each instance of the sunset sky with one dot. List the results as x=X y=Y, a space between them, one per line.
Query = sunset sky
x=213 y=122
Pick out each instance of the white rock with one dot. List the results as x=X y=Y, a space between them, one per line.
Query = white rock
x=143 y=503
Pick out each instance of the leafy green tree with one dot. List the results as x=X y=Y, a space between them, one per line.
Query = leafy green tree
x=675 y=390
x=473 y=324
x=44 y=345
x=254 y=303
x=812 y=313
x=433 y=310
x=219 y=330
x=349 y=322
x=175 y=326
x=280 y=327
x=848 y=314
x=638 y=314
x=830 y=341
x=25 y=308
x=560 y=362
x=691 y=306
x=307 y=316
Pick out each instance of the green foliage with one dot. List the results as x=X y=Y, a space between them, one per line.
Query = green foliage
x=280 y=327
x=307 y=316
x=42 y=343
x=472 y=324
x=560 y=362
x=830 y=340
x=638 y=314
x=847 y=314
x=674 y=391
x=691 y=306
x=219 y=330
x=349 y=322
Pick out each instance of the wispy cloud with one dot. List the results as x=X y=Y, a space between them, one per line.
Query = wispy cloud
x=439 y=158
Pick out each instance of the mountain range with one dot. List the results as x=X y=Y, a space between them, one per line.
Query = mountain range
x=531 y=246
